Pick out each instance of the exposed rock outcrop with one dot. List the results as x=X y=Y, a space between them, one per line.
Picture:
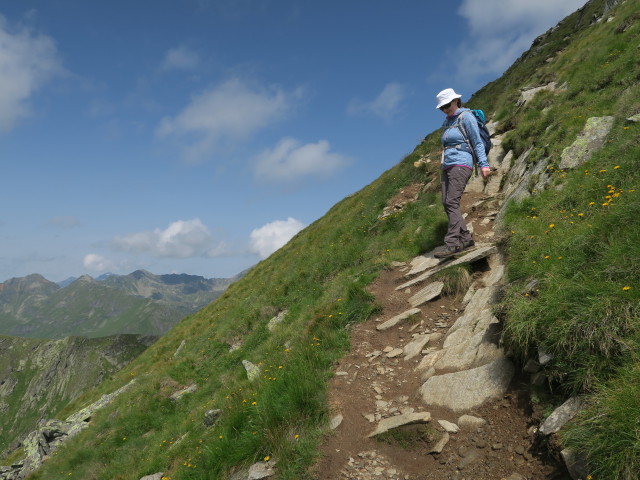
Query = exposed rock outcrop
x=38 y=377
x=43 y=441
x=588 y=142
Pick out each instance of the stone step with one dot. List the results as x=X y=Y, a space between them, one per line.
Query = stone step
x=473 y=256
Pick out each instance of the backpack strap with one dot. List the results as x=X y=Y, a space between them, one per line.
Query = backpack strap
x=463 y=130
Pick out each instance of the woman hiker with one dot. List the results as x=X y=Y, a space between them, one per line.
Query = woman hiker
x=457 y=166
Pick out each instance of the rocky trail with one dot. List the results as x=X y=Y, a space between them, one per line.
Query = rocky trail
x=430 y=369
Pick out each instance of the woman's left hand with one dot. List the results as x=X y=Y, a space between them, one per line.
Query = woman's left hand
x=485 y=171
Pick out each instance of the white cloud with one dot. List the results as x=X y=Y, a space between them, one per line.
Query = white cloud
x=97 y=263
x=27 y=61
x=180 y=58
x=270 y=237
x=385 y=105
x=227 y=113
x=289 y=160
x=181 y=239
x=500 y=31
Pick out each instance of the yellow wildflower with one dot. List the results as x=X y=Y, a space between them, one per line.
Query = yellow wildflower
x=626 y=288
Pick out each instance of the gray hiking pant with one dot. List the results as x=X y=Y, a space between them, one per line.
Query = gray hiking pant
x=454 y=181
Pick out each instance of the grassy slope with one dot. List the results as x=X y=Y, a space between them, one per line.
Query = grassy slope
x=582 y=314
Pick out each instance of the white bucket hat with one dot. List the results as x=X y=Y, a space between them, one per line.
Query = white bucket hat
x=445 y=96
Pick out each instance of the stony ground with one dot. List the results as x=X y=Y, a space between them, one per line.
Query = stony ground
x=369 y=386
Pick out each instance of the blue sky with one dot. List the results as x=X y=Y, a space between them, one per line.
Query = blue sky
x=198 y=136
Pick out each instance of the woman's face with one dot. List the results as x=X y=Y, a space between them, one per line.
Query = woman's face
x=450 y=107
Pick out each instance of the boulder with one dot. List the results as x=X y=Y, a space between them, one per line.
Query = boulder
x=462 y=391
x=253 y=371
x=591 y=139
x=576 y=465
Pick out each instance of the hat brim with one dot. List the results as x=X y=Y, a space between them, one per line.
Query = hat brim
x=448 y=100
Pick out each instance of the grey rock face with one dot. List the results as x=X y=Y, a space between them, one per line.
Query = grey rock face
x=591 y=139
x=462 y=391
x=42 y=442
x=40 y=375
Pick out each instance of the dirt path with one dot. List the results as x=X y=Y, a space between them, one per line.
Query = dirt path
x=369 y=386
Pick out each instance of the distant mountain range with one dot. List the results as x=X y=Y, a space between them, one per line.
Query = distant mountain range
x=138 y=303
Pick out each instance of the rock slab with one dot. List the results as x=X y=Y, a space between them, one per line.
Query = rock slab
x=463 y=391
x=390 y=423
x=428 y=293
x=397 y=319
x=561 y=416
x=591 y=139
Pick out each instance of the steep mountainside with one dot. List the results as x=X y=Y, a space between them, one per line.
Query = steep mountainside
x=138 y=303
x=39 y=376
x=241 y=386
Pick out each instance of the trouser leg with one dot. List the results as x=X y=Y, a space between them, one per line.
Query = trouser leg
x=454 y=181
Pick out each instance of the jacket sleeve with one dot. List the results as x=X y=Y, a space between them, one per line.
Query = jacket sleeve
x=471 y=128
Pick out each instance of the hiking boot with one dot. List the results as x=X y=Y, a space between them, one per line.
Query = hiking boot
x=447 y=251
x=468 y=244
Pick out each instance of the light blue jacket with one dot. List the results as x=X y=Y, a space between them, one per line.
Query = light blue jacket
x=456 y=150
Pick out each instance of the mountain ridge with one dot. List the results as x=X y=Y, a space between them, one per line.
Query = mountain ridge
x=137 y=303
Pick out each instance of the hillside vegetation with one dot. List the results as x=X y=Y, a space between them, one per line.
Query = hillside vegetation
x=578 y=240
